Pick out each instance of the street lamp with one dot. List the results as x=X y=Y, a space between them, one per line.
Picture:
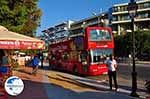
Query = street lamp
x=132 y=10
x=98 y=19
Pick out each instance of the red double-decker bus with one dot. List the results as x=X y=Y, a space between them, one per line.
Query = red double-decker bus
x=83 y=54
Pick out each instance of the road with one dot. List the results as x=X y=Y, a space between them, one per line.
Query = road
x=124 y=74
x=125 y=78
x=143 y=71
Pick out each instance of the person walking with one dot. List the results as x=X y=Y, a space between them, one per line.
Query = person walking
x=112 y=66
x=42 y=59
x=35 y=63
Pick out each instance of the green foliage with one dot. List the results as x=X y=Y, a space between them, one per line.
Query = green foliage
x=20 y=16
x=145 y=42
x=123 y=44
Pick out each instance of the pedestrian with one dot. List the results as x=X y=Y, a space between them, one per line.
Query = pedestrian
x=42 y=59
x=35 y=63
x=112 y=66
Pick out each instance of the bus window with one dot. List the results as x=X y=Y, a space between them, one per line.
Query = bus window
x=99 y=55
x=73 y=55
x=99 y=35
x=51 y=56
x=83 y=56
x=65 y=56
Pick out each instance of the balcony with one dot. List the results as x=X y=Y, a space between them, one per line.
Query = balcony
x=125 y=12
x=121 y=21
x=142 y=19
x=123 y=9
x=125 y=18
x=128 y=20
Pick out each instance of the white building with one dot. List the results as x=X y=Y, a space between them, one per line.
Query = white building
x=121 y=22
x=58 y=32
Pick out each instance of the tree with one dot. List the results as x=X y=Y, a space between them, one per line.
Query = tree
x=20 y=16
x=145 y=42
x=123 y=44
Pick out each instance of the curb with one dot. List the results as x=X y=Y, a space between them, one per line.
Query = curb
x=106 y=88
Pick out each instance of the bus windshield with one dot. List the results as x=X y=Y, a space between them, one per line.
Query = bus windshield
x=99 y=55
x=99 y=35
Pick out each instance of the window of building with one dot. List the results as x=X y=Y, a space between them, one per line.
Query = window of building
x=140 y=6
x=114 y=28
x=115 y=9
x=143 y=15
x=114 y=18
x=126 y=17
x=123 y=8
x=146 y=5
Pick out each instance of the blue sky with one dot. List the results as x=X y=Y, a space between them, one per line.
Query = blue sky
x=57 y=11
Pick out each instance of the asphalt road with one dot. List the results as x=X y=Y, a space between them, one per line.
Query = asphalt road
x=125 y=78
x=143 y=71
x=124 y=74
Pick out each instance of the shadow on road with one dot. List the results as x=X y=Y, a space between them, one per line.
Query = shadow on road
x=69 y=81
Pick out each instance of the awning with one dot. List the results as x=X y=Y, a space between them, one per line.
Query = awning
x=12 y=40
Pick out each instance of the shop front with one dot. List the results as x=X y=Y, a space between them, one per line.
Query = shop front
x=10 y=41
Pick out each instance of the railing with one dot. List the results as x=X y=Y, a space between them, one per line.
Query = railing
x=124 y=8
x=140 y=16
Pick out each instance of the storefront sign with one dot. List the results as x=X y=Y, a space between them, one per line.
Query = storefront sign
x=6 y=44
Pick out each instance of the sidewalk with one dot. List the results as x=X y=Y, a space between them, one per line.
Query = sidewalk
x=34 y=85
x=102 y=85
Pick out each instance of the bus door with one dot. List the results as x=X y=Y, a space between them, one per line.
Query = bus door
x=84 y=61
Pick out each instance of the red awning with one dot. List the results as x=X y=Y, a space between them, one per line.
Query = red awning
x=12 y=40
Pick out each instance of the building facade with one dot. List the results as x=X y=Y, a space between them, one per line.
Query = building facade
x=120 y=20
x=69 y=28
x=58 y=32
x=95 y=20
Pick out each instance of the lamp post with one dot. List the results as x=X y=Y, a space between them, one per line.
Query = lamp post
x=132 y=9
x=98 y=19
